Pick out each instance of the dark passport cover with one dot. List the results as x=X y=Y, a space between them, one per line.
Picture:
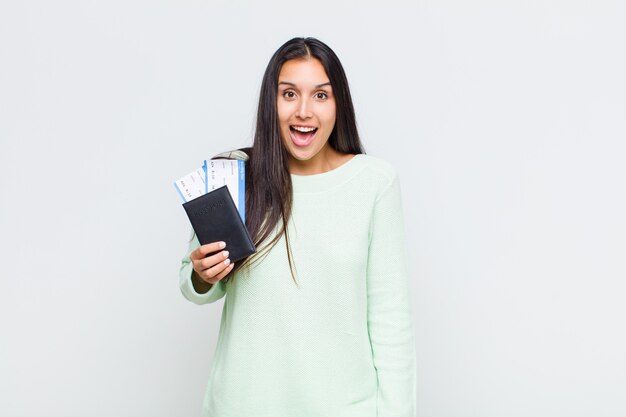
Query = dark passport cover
x=214 y=218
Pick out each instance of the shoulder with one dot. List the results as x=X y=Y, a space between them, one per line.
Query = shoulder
x=375 y=177
x=378 y=170
x=380 y=165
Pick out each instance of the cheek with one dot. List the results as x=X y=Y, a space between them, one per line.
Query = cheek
x=330 y=115
x=283 y=112
x=330 y=119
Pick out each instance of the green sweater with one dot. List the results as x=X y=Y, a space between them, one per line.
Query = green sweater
x=342 y=344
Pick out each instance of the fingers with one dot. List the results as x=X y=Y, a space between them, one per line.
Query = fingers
x=217 y=272
x=211 y=268
x=222 y=274
x=213 y=260
x=204 y=250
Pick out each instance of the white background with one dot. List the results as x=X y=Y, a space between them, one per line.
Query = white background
x=505 y=120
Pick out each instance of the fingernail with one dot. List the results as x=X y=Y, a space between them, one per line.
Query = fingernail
x=222 y=244
x=227 y=261
x=225 y=254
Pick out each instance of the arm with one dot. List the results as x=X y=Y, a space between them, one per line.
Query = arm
x=192 y=287
x=389 y=316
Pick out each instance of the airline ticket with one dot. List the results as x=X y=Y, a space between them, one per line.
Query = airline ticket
x=213 y=174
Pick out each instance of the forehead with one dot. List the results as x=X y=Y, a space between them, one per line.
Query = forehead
x=303 y=72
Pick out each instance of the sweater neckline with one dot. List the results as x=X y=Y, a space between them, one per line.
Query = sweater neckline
x=326 y=180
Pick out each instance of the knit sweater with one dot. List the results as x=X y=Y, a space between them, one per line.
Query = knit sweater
x=339 y=345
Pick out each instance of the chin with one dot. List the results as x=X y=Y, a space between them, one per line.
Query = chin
x=300 y=157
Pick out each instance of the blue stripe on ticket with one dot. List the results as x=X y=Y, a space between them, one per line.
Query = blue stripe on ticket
x=242 y=190
x=179 y=192
x=206 y=177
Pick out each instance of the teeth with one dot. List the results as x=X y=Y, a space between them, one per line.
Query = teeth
x=303 y=129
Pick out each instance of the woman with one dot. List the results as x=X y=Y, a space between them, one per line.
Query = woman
x=317 y=322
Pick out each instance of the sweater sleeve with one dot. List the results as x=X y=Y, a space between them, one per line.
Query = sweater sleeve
x=216 y=292
x=389 y=316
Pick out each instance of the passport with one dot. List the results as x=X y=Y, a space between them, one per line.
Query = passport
x=214 y=217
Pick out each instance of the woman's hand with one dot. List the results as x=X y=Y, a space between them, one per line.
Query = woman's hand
x=211 y=269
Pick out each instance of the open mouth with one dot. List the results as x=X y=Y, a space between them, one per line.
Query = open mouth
x=302 y=135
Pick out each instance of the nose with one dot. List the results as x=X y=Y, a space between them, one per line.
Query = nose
x=304 y=109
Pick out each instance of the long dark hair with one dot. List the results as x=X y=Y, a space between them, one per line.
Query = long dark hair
x=269 y=194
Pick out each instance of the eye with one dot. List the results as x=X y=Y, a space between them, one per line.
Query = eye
x=321 y=95
x=289 y=94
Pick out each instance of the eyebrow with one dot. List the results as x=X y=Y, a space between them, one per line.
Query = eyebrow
x=293 y=85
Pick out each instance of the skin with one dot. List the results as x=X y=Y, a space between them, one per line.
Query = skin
x=304 y=98
x=207 y=270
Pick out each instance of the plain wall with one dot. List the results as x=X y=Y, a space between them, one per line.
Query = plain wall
x=505 y=120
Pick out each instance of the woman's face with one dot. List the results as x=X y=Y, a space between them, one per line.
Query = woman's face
x=306 y=112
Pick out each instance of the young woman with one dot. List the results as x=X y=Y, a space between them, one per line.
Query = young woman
x=317 y=322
